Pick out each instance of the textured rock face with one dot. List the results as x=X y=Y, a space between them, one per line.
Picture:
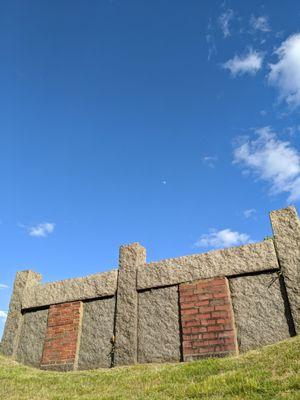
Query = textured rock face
x=139 y=305
x=238 y=260
x=158 y=326
x=89 y=287
x=32 y=337
x=24 y=280
x=127 y=304
x=286 y=228
x=97 y=331
x=259 y=311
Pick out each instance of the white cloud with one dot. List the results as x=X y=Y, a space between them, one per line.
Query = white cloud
x=3 y=286
x=250 y=63
x=3 y=314
x=224 y=21
x=41 y=230
x=285 y=74
x=249 y=213
x=260 y=23
x=210 y=161
x=223 y=238
x=272 y=160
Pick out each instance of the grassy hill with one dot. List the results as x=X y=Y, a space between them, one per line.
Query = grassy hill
x=270 y=373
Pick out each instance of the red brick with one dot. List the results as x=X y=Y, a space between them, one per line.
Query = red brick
x=206 y=314
x=220 y=295
x=62 y=333
x=189 y=311
x=219 y=314
x=214 y=328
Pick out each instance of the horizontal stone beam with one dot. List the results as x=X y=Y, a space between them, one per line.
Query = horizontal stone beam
x=254 y=257
x=89 y=287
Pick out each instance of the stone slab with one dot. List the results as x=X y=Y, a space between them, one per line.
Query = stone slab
x=286 y=229
x=238 y=260
x=97 y=331
x=158 y=326
x=32 y=337
x=259 y=311
x=89 y=287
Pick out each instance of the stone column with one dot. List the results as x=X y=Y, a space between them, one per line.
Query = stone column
x=12 y=330
x=131 y=256
x=286 y=229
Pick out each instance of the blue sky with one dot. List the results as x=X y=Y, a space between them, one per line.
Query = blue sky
x=175 y=124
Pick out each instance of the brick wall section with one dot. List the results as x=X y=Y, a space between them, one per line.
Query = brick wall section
x=207 y=319
x=62 y=337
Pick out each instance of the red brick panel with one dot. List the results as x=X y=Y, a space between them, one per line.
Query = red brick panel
x=62 y=336
x=207 y=320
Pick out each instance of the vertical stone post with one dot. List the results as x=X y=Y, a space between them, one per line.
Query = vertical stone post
x=131 y=256
x=286 y=229
x=12 y=330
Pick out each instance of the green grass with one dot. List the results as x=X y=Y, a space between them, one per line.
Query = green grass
x=272 y=372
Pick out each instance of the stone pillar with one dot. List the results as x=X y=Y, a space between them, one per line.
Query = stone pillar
x=286 y=229
x=12 y=330
x=131 y=256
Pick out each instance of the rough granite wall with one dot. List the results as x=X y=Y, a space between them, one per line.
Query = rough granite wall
x=158 y=325
x=32 y=337
x=88 y=287
x=259 y=311
x=24 y=281
x=138 y=303
x=286 y=228
x=130 y=258
x=245 y=259
x=97 y=331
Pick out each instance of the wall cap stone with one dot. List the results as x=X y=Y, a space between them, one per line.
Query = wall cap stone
x=89 y=287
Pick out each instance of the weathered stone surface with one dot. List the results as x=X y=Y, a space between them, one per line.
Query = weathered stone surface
x=12 y=330
x=233 y=261
x=32 y=337
x=259 y=311
x=286 y=229
x=158 y=325
x=127 y=304
x=89 y=287
x=10 y=338
x=97 y=331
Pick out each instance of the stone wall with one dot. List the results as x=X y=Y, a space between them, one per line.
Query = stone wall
x=213 y=304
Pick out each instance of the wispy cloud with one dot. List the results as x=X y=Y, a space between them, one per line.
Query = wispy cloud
x=210 y=40
x=41 y=230
x=249 y=63
x=250 y=212
x=212 y=49
x=272 y=160
x=285 y=74
x=222 y=238
x=224 y=21
x=260 y=23
x=3 y=314
x=210 y=161
x=3 y=286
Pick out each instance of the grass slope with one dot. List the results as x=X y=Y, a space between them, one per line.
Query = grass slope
x=270 y=373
